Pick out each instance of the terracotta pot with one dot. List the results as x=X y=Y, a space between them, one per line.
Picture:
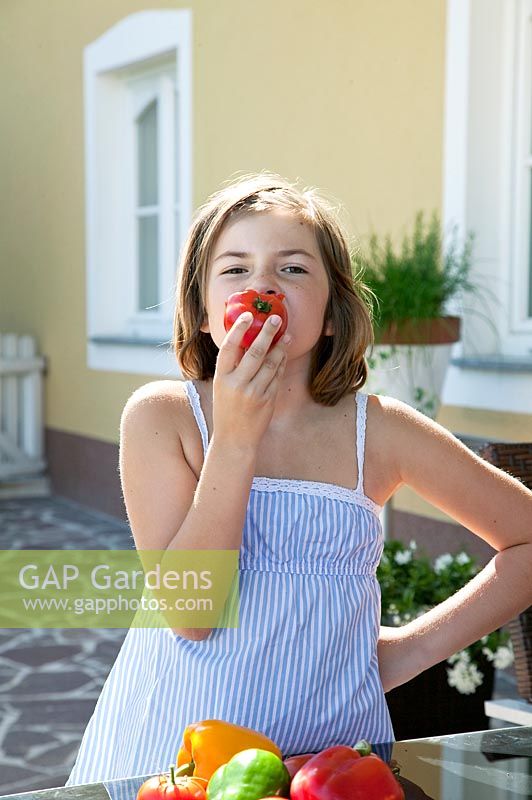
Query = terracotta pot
x=440 y=330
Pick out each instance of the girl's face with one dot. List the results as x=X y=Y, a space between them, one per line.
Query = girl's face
x=248 y=255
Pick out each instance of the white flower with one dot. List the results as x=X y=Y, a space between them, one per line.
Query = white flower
x=413 y=544
x=396 y=619
x=442 y=562
x=462 y=656
x=403 y=557
x=462 y=558
x=490 y=655
x=484 y=640
x=465 y=677
x=503 y=657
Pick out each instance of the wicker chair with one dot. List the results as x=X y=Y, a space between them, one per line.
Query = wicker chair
x=516 y=459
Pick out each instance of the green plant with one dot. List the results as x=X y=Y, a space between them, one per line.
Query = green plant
x=416 y=282
x=411 y=584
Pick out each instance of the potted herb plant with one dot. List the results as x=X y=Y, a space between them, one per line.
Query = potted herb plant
x=412 y=289
x=448 y=697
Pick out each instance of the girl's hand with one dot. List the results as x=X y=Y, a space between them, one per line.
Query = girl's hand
x=245 y=384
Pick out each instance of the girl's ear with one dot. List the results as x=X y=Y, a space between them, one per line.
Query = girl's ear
x=205 y=324
x=329 y=328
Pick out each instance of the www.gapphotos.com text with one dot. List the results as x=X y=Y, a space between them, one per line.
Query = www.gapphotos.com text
x=110 y=605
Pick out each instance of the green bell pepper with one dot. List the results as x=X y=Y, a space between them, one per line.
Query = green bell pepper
x=250 y=775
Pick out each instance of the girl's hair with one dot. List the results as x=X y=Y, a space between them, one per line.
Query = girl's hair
x=338 y=364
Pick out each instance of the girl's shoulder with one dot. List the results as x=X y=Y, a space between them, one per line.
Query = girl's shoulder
x=162 y=396
x=439 y=467
x=381 y=468
x=158 y=418
x=405 y=433
x=161 y=401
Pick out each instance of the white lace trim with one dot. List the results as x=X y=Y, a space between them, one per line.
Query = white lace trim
x=332 y=490
x=296 y=485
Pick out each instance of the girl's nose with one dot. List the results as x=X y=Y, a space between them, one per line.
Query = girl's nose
x=263 y=290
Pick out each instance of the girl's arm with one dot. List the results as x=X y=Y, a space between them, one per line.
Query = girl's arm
x=167 y=507
x=493 y=505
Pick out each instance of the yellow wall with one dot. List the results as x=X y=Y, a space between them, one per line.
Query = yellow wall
x=507 y=426
x=345 y=95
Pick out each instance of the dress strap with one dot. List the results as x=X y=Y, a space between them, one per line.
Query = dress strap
x=195 y=402
x=361 y=401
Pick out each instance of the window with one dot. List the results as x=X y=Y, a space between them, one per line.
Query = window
x=155 y=217
x=488 y=189
x=522 y=265
x=138 y=187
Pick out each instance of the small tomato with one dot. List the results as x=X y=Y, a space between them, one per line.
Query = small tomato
x=261 y=306
x=173 y=787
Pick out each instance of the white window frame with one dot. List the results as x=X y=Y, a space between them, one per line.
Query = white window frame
x=481 y=139
x=154 y=45
x=521 y=320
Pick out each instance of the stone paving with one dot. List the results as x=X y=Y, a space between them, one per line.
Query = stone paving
x=50 y=679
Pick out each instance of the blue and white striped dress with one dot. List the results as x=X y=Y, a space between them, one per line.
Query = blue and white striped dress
x=302 y=665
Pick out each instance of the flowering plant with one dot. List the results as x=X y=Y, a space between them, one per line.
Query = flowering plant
x=411 y=584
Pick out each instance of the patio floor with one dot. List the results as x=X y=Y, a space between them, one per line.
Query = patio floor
x=50 y=679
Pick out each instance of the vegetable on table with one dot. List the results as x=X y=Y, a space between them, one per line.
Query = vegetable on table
x=262 y=306
x=209 y=744
x=345 y=773
x=294 y=763
x=250 y=775
x=173 y=786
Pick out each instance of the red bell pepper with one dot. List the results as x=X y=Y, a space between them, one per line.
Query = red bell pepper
x=343 y=773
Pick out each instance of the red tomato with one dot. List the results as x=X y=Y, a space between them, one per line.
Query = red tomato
x=261 y=306
x=169 y=787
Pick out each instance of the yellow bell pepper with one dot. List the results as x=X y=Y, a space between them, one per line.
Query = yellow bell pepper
x=209 y=744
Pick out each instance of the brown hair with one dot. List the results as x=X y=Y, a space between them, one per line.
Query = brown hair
x=338 y=364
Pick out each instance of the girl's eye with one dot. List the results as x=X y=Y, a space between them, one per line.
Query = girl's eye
x=294 y=266
x=290 y=266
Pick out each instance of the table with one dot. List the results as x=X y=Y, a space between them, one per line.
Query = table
x=484 y=765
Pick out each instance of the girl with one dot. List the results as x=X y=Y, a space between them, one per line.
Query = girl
x=276 y=452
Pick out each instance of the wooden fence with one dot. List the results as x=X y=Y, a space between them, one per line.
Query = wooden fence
x=21 y=408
